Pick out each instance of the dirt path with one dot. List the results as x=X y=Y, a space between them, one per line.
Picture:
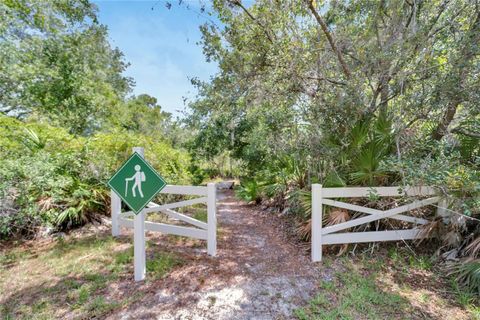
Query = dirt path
x=257 y=274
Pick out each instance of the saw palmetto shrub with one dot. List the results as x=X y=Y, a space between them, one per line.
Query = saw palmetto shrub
x=53 y=179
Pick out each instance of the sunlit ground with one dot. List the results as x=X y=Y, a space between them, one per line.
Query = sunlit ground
x=388 y=284
x=90 y=275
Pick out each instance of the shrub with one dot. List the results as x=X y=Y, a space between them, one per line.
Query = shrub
x=51 y=178
x=249 y=191
x=467 y=274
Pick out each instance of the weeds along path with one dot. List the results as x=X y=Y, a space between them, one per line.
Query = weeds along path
x=257 y=274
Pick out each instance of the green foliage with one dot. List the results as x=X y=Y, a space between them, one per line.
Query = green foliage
x=281 y=93
x=444 y=167
x=249 y=191
x=305 y=201
x=366 y=167
x=394 y=103
x=172 y=164
x=32 y=141
x=161 y=264
x=70 y=75
x=357 y=296
x=198 y=174
x=72 y=87
x=124 y=257
x=361 y=153
x=142 y=115
x=49 y=177
x=467 y=274
x=199 y=213
x=333 y=180
x=47 y=187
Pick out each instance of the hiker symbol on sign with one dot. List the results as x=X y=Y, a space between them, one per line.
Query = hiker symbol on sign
x=139 y=177
x=136 y=183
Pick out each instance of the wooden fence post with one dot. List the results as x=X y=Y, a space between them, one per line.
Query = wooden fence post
x=317 y=208
x=116 y=206
x=139 y=236
x=212 y=219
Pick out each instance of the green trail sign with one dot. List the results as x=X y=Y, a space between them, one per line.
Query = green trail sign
x=136 y=183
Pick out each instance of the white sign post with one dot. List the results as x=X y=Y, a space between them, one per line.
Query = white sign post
x=139 y=237
x=212 y=219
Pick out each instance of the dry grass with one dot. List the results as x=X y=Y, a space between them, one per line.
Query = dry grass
x=82 y=277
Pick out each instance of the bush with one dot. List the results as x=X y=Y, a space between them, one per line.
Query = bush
x=51 y=178
x=47 y=189
x=467 y=274
x=249 y=191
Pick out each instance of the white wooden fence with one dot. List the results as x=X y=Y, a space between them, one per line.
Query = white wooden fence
x=205 y=231
x=323 y=196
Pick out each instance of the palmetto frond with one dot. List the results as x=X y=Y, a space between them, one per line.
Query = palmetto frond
x=468 y=274
x=473 y=249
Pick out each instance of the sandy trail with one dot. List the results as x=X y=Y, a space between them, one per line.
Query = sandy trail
x=257 y=274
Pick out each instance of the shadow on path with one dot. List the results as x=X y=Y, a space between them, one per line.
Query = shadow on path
x=257 y=274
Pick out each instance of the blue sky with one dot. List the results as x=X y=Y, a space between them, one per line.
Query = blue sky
x=160 y=45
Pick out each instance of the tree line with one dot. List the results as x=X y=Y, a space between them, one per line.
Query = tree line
x=347 y=93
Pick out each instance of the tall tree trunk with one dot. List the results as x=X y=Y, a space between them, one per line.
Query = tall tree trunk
x=385 y=88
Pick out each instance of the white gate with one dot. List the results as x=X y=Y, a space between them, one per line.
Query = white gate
x=323 y=196
x=205 y=231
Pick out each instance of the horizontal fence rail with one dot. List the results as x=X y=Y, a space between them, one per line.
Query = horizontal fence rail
x=362 y=192
x=327 y=235
x=169 y=229
x=121 y=219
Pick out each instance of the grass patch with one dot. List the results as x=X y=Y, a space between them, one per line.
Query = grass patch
x=394 y=285
x=100 y=306
x=72 y=278
x=8 y=258
x=354 y=296
x=410 y=260
x=466 y=299
x=162 y=263
x=124 y=257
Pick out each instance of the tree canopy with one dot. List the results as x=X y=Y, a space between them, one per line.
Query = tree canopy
x=57 y=64
x=326 y=82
